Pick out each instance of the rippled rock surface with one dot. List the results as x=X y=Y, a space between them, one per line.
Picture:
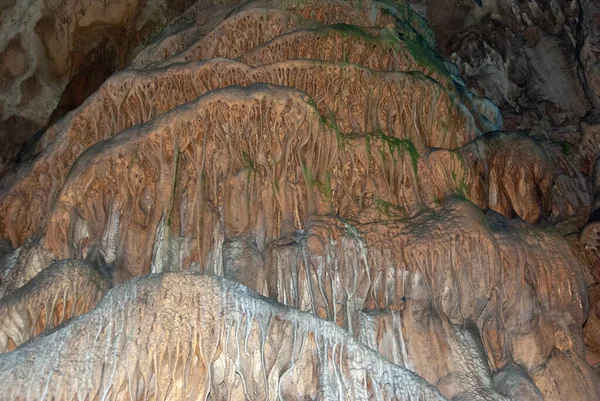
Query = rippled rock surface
x=298 y=200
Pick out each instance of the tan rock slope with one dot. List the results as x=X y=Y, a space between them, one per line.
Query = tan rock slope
x=298 y=200
x=65 y=289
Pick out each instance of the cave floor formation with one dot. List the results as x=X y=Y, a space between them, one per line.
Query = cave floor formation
x=296 y=200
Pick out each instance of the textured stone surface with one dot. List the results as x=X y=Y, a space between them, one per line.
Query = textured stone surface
x=320 y=154
x=180 y=334
x=537 y=59
x=55 y=53
x=63 y=290
x=132 y=98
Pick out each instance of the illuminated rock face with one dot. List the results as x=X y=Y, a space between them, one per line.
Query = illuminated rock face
x=182 y=336
x=297 y=200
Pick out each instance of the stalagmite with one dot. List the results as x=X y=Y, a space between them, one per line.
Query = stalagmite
x=180 y=336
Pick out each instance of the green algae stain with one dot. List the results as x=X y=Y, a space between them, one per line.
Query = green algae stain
x=389 y=209
x=399 y=147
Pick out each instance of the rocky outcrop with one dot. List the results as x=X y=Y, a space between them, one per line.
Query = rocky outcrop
x=55 y=53
x=322 y=155
x=139 y=97
x=181 y=334
x=538 y=60
x=590 y=233
x=63 y=290
x=592 y=328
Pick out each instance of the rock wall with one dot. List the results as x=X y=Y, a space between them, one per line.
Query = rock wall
x=302 y=200
x=56 y=53
x=537 y=59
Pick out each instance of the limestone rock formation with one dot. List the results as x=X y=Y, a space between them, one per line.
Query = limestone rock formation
x=539 y=59
x=303 y=200
x=55 y=53
x=61 y=291
x=182 y=336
